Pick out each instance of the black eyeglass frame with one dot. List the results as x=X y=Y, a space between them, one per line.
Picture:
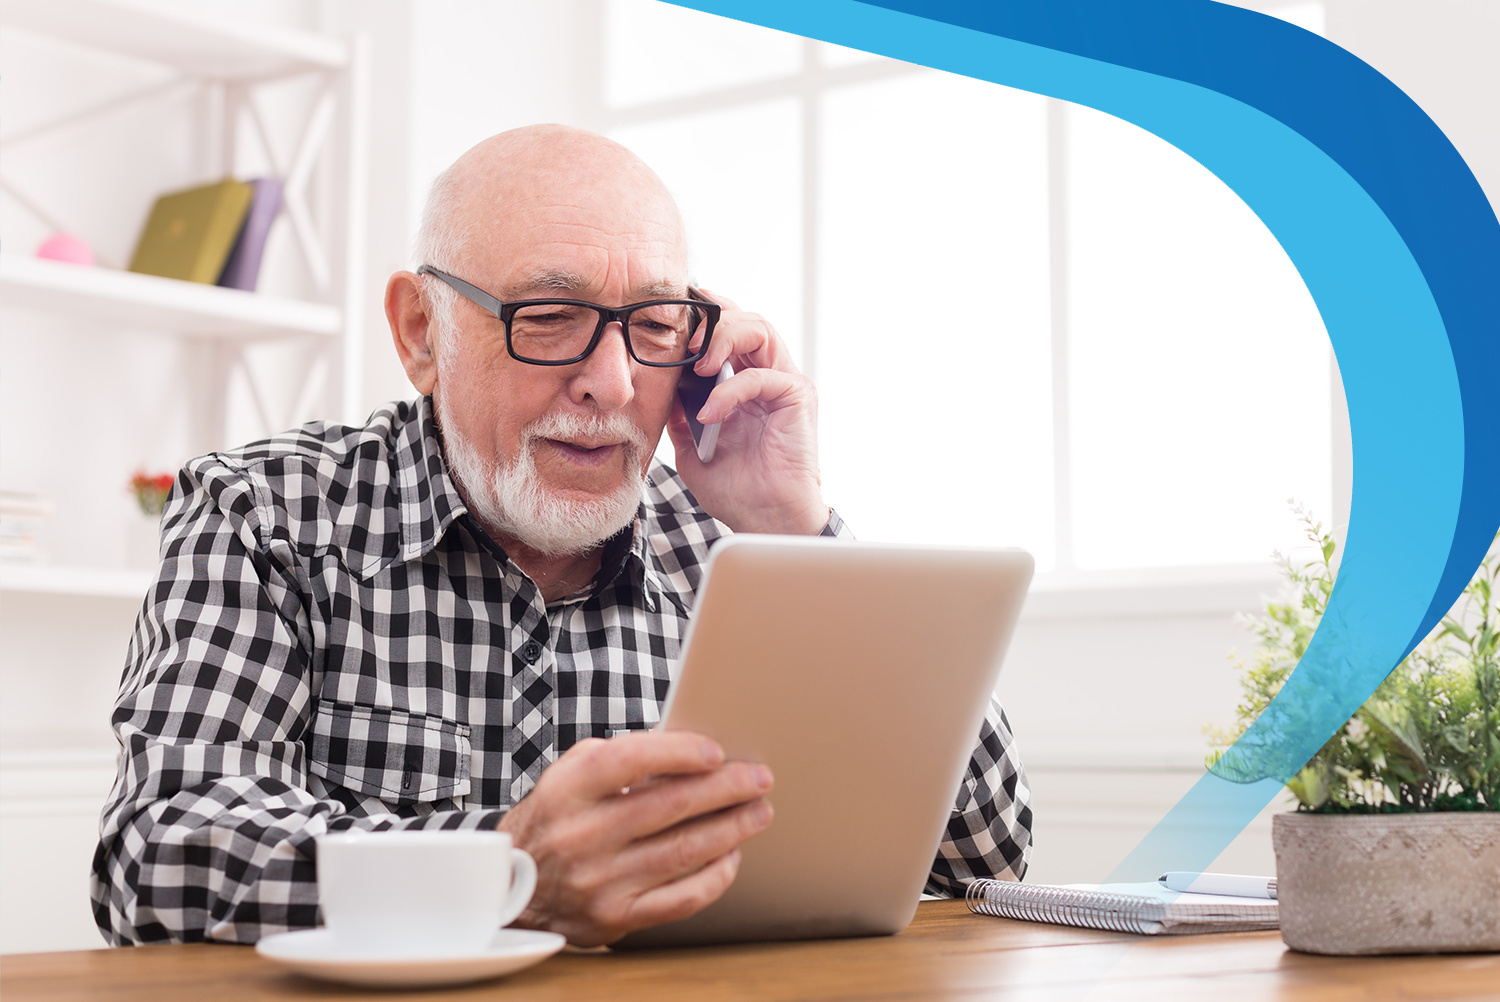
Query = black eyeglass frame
x=506 y=312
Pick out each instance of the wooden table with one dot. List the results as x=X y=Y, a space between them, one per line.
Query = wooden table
x=947 y=953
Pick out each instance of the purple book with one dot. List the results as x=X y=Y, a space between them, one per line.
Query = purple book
x=243 y=266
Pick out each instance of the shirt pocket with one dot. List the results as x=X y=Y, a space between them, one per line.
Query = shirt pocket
x=394 y=756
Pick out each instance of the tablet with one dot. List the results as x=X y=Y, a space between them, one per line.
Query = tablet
x=860 y=673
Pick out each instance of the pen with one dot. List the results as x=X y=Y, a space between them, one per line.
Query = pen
x=1219 y=883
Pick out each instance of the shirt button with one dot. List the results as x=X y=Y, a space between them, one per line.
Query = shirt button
x=531 y=652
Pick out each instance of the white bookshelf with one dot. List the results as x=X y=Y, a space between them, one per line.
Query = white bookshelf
x=64 y=630
x=208 y=47
x=122 y=300
x=80 y=582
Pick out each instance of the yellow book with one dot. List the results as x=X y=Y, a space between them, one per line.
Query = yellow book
x=190 y=233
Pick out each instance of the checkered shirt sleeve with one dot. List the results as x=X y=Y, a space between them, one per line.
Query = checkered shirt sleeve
x=332 y=643
x=209 y=830
x=989 y=832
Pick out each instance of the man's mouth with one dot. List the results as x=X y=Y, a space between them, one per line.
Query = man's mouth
x=585 y=453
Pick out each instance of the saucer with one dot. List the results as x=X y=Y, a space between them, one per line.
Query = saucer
x=313 y=952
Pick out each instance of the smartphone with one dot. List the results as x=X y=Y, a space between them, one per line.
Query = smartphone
x=693 y=391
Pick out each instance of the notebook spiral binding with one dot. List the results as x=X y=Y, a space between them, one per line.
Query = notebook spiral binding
x=1110 y=912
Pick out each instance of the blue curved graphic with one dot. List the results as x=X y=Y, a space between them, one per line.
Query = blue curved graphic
x=1397 y=245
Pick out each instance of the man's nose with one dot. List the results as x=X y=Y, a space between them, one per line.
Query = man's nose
x=608 y=374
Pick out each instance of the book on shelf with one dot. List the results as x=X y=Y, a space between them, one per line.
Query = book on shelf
x=242 y=269
x=1146 y=908
x=189 y=233
x=23 y=519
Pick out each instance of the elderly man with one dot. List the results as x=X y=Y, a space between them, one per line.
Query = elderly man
x=465 y=613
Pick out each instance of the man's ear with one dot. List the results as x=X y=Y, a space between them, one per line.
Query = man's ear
x=411 y=330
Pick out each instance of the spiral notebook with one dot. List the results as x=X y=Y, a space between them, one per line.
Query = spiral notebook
x=1148 y=908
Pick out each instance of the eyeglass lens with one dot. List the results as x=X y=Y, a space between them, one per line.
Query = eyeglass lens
x=551 y=332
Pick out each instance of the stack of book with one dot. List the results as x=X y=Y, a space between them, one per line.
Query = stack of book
x=214 y=234
x=23 y=517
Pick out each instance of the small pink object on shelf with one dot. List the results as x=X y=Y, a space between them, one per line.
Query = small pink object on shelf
x=67 y=248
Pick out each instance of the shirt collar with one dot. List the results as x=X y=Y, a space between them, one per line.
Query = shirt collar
x=644 y=561
x=624 y=562
x=630 y=558
x=429 y=500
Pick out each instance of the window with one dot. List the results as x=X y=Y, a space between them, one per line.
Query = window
x=1030 y=323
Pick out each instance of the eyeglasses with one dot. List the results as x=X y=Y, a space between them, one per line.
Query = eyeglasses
x=564 y=331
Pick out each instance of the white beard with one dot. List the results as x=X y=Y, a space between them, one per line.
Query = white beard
x=513 y=499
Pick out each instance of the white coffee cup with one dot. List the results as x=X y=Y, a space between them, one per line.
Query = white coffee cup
x=421 y=892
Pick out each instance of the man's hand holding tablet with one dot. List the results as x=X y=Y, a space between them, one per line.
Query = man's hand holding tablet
x=634 y=831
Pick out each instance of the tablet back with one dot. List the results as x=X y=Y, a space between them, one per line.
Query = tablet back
x=861 y=674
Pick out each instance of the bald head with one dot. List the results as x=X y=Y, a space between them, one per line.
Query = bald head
x=503 y=188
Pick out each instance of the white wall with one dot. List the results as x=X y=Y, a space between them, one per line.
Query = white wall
x=1108 y=686
x=387 y=25
x=481 y=68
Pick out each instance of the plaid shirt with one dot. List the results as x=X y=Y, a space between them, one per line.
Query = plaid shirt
x=332 y=643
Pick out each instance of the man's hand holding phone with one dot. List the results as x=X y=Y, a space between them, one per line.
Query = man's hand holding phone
x=763 y=475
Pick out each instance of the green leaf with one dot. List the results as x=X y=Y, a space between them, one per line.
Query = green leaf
x=1486 y=642
x=1453 y=629
x=1310 y=787
x=1395 y=724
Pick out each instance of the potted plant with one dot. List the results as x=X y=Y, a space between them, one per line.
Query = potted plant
x=1395 y=843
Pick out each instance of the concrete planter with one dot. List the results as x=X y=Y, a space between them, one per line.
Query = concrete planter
x=1389 y=883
